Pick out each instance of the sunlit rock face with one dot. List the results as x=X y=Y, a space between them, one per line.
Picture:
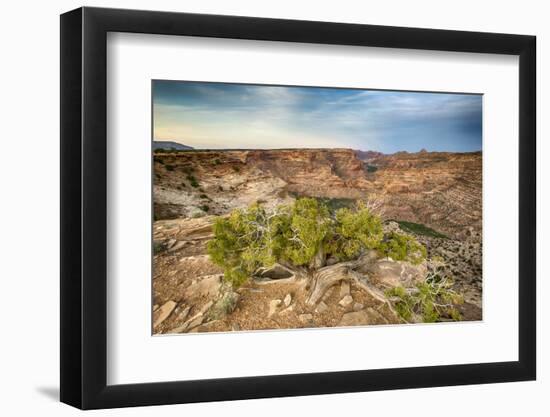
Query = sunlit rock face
x=440 y=190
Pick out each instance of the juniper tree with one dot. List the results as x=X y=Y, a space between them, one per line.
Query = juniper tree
x=301 y=237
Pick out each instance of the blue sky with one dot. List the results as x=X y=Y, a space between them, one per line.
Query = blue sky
x=220 y=115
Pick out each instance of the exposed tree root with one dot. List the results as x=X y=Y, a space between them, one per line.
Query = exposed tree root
x=325 y=278
x=317 y=282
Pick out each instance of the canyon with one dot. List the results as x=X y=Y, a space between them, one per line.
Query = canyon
x=439 y=190
x=434 y=196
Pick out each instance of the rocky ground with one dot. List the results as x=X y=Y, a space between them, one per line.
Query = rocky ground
x=191 y=296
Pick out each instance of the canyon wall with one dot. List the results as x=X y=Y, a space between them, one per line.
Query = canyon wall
x=440 y=190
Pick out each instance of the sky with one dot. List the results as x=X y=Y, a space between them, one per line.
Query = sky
x=247 y=116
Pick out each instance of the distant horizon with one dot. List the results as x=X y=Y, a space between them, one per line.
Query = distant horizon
x=304 y=148
x=215 y=116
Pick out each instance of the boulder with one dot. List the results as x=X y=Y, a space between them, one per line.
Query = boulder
x=207 y=286
x=224 y=306
x=163 y=312
x=362 y=318
x=177 y=245
x=389 y=273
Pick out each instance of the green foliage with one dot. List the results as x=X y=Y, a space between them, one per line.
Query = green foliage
x=158 y=247
x=205 y=207
x=419 y=229
x=193 y=181
x=303 y=234
x=372 y=168
x=169 y=167
x=403 y=302
x=354 y=232
x=236 y=168
x=431 y=299
x=204 y=197
x=240 y=244
x=303 y=230
x=333 y=204
x=225 y=305
x=401 y=247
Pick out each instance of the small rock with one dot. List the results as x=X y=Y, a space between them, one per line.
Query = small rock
x=205 y=327
x=286 y=310
x=196 y=321
x=170 y=243
x=273 y=305
x=321 y=307
x=163 y=312
x=344 y=288
x=155 y=307
x=328 y=293
x=235 y=327
x=176 y=246
x=305 y=318
x=346 y=301
x=205 y=307
x=288 y=300
x=391 y=227
x=358 y=306
x=182 y=315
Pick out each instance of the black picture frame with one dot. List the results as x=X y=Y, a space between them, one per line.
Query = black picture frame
x=84 y=207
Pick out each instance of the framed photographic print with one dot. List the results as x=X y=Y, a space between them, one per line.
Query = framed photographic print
x=258 y=207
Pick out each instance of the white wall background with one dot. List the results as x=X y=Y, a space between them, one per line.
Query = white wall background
x=29 y=211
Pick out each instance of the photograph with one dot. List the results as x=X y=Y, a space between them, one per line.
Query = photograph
x=288 y=207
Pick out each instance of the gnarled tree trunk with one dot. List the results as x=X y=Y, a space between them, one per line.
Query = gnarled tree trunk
x=324 y=278
x=316 y=281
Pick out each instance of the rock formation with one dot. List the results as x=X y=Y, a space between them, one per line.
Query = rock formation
x=440 y=190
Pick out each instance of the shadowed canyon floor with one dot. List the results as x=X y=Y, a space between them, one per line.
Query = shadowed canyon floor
x=434 y=196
